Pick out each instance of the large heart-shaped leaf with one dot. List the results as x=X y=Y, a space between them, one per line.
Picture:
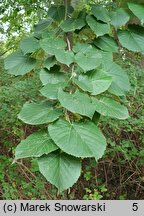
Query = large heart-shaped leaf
x=89 y=58
x=18 y=64
x=60 y=169
x=101 y=13
x=52 y=45
x=72 y=24
x=120 y=84
x=94 y=82
x=133 y=39
x=119 y=17
x=35 y=145
x=98 y=27
x=29 y=45
x=65 y=56
x=138 y=11
x=51 y=77
x=78 y=139
x=106 y=43
x=109 y=107
x=35 y=114
x=77 y=103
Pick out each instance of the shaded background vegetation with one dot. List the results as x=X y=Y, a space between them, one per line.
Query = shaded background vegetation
x=118 y=175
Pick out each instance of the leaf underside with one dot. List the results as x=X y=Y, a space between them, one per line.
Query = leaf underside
x=60 y=169
x=78 y=139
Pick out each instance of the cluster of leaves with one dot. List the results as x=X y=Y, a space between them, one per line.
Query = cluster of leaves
x=124 y=152
x=15 y=180
x=131 y=129
x=80 y=84
x=20 y=15
x=121 y=169
x=124 y=157
x=14 y=91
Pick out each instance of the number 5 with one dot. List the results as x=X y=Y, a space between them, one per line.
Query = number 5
x=135 y=207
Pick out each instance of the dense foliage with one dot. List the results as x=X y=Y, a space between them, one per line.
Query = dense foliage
x=118 y=175
x=81 y=82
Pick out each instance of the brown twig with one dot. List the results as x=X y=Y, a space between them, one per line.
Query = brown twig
x=26 y=168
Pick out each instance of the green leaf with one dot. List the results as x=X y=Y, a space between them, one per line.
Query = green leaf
x=13 y=59
x=42 y=24
x=52 y=45
x=138 y=10
x=35 y=114
x=77 y=103
x=18 y=64
x=101 y=13
x=107 y=58
x=81 y=47
x=71 y=25
x=132 y=40
x=119 y=17
x=29 y=45
x=48 y=34
x=106 y=43
x=49 y=62
x=51 y=77
x=35 y=145
x=51 y=90
x=89 y=58
x=60 y=169
x=65 y=56
x=94 y=82
x=56 y=12
x=78 y=139
x=98 y=27
x=109 y=107
x=120 y=84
